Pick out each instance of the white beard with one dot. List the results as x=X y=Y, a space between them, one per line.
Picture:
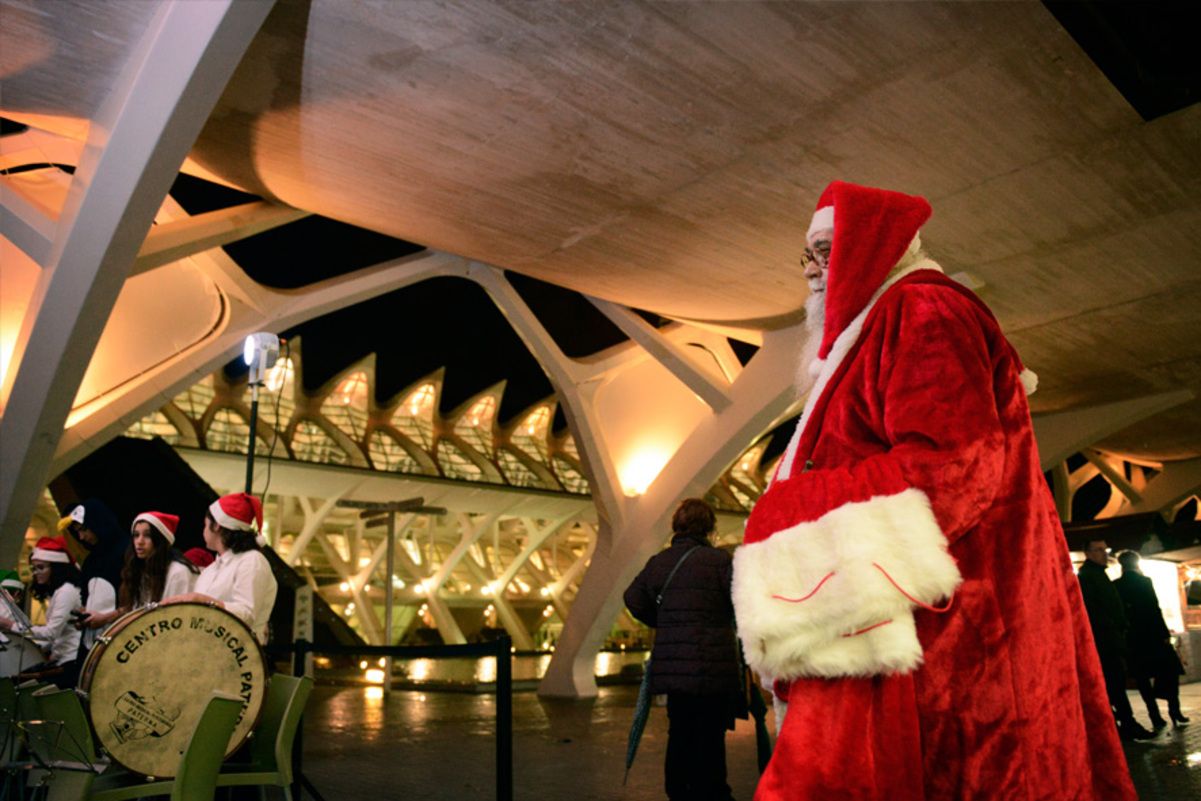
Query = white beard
x=815 y=321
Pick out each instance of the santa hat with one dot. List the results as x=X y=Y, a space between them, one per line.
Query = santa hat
x=201 y=557
x=239 y=512
x=165 y=524
x=51 y=549
x=872 y=230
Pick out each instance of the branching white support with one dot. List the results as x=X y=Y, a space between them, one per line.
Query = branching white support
x=1060 y=434
x=24 y=224
x=567 y=377
x=470 y=533
x=272 y=309
x=141 y=134
x=504 y=610
x=534 y=541
x=313 y=521
x=1062 y=490
x=673 y=357
x=1113 y=474
x=762 y=395
x=1177 y=482
x=175 y=240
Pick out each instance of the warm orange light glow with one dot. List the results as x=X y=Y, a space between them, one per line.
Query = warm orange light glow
x=641 y=468
x=375 y=676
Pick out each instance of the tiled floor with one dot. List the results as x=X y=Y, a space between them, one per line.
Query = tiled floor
x=440 y=746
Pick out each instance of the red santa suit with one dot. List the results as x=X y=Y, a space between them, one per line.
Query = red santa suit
x=905 y=579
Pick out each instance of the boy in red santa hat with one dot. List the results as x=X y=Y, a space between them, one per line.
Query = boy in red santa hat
x=904 y=581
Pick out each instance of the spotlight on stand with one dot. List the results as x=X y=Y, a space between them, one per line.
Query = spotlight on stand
x=260 y=352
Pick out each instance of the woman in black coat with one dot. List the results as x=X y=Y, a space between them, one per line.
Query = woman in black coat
x=1152 y=657
x=695 y=657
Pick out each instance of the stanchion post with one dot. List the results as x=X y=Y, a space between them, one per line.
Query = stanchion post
x=301 y=647
x=504 y=719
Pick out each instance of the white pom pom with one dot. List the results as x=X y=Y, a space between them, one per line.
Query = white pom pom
x=1029 y=380
x=816 y=366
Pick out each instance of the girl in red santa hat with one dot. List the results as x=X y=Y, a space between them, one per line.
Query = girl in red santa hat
x=56 y=582
x=240 y=579
x=153 y=569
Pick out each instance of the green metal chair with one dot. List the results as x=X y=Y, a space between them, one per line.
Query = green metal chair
x=61 y=746
x=271 y=746
x=197 y=776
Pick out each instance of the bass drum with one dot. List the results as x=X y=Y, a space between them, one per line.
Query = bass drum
x=18 y=653
x=148 y=679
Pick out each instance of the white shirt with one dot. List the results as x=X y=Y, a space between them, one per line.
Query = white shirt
x=57 y=633
x=245 y=584
x=101 y=598
x=179 y=580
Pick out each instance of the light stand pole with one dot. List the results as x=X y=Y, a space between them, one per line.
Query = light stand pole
x=260 y=352
x=250 y=447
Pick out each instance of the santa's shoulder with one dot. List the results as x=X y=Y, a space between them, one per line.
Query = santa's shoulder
x=933 y=296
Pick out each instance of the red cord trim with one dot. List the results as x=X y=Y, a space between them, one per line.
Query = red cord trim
x=869 y=628
x=829 y=576
x=910 y=597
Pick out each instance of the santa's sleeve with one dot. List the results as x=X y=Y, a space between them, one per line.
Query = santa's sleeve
x=836 y=559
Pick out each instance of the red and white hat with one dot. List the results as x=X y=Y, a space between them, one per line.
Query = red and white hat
x=238 y=512
x=51 y=549
x=164 y=523
x=872 y=230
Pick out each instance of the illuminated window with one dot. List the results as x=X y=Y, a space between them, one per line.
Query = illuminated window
x=154 y=425
x=571 y=478
x=455 y=463
x=530 y=434
x=515 y=472
x=415 y=416
x=194 y=401
x=312 y=444
x=475 y=427
x=229 y=432
x=388 y=454
x=346 y=407
x=277 y=394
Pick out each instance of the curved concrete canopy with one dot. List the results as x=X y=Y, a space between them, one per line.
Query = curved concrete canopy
x=665 y=155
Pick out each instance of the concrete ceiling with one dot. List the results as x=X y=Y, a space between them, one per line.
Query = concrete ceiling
x=666 y=155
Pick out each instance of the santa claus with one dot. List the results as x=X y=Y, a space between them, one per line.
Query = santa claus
x=904 y=582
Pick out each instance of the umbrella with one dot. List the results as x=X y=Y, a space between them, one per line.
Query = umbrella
x=758 y=710
x=642 y=710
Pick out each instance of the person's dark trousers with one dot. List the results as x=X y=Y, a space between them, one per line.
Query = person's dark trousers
x=1115 y=686
x=696 y=747
x=1148 y=693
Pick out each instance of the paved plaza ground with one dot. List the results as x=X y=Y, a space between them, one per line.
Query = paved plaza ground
x=440 y=747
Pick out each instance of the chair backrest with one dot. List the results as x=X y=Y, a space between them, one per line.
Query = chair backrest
x=271 y=746
x=64 y=733
x=197 y=776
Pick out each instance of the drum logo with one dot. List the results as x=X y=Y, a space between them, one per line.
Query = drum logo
x=139 y=717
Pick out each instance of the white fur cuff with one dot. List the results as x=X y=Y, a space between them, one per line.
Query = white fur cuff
x=834 y=597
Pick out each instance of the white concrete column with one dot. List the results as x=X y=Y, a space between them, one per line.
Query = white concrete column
x=141 y=134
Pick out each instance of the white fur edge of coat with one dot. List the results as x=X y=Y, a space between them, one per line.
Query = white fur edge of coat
x=788 y=640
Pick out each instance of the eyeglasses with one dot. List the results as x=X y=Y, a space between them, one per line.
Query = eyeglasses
x=38 y=568
x=819 y=255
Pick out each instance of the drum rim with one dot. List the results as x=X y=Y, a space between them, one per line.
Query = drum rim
x=102 y=643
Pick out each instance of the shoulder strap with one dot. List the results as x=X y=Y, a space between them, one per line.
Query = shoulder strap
x=671 y=575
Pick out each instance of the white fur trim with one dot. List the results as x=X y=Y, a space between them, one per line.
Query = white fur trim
x=1029 y=380
x=44 y=555
x=823 y=218
x=838 y=352
x=227 y=521
x=788 y=640
x=146 y=517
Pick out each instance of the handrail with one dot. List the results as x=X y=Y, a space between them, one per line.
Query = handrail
x=501 y=648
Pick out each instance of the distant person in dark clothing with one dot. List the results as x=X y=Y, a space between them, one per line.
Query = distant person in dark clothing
x=1107 y=617
x=1152 y=657
x=695 y=657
